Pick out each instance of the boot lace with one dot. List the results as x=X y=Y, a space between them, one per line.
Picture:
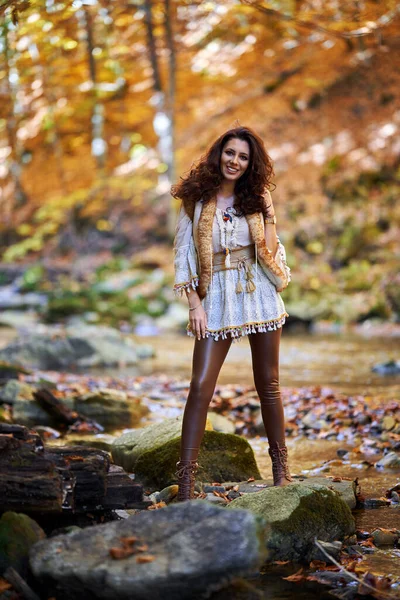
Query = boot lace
x=280 y=466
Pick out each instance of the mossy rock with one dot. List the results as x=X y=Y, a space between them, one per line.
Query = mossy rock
x=296 y=515
x=18 y=533
x=112 y=409
x=151 y=453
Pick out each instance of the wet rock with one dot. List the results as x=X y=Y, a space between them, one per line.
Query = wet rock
x=111 y=408
x=151 y=453
x=214 y=499
x=221 y=423
x=207 y=489
x=183 y=546
x=384 y=537
x=18 y=533
x=389 y=461
x=333 y=549
x=392 y=367
x=295 y=516
x=166 y=495
x=16 y=390
x=84 y=346
x=344 y=488
x=388 y=423
x=27 y=411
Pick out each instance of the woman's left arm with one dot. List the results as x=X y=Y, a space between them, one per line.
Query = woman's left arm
x=272 y=240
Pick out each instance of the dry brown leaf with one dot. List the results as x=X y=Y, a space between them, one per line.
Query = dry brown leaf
x=157 y=506
x=120 y=553
x=298 y=576
x=128 y=541
x=317 y=564
x=144 y=558
x=142 y=548
x=4 y=585
x=250 y=479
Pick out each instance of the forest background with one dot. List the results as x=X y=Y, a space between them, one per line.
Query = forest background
x=104 y=104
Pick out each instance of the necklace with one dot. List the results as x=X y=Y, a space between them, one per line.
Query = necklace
x=228 y=229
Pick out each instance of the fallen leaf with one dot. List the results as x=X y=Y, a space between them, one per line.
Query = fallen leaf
x=317 y=564
x=142 y=548
x=157 y=505
x=120 y=553
x=250 y=479
x=298 y=576
x=128 y=541
x=281 y=562
x=144 y=558
x=4 y=585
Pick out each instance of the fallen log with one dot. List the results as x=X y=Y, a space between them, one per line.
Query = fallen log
x=62 y=414
x=29 y=480
x=36 y=479
x=122 y=492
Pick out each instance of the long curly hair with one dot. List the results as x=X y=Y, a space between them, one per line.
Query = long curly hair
x=204 y=178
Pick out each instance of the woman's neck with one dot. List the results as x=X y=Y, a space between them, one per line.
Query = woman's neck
x=226 y=189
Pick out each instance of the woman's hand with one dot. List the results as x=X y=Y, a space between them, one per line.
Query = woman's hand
x=198 y=321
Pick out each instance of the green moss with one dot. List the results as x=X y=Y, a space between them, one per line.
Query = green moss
x=18 y=533
x=295 y=516
x=152 y=454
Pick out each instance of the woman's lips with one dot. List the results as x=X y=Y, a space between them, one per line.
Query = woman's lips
x=231 y=170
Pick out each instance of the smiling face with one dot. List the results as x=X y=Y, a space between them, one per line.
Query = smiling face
x=235 y=158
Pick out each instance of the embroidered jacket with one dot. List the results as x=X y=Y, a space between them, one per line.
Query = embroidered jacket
x=193 y=251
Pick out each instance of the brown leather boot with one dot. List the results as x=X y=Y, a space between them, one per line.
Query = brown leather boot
x=280 y=469
x=186 y=472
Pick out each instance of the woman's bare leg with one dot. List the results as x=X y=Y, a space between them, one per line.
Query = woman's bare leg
x=208 y=358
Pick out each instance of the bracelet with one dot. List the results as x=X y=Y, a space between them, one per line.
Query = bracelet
x=195 y=307
x=271 y=220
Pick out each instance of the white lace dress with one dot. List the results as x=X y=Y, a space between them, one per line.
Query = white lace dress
x=229 y=313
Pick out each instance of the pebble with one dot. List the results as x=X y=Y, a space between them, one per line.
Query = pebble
x=385 y=538
x=389 y=461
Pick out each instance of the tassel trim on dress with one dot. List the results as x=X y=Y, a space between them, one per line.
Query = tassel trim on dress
x=238 y=333
x=186 y=285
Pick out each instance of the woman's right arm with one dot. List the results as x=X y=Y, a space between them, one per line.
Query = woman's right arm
x=186 y=277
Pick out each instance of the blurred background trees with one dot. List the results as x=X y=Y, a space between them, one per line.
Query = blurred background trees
x=105 y=103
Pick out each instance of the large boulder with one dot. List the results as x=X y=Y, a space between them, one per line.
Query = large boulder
x=182 y=551
x=296 y=515
x=18 y=533
x=151 y=453
x=83 y=347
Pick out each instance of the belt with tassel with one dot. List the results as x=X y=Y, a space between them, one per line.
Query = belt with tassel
x=237 y=258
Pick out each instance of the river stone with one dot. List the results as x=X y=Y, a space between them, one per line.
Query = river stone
x=15 y=390
x=196 y=548
x=18 y=533
x=389 y=461
x=385 y=537
x=151 y=453
x=83 y=347
x=221 y=423
x=346 y=489
x=297 y=514
x=111 y=408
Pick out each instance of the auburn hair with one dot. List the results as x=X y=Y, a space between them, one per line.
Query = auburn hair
x=204 y=178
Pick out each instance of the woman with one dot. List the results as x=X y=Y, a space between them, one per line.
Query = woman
x=231 y=265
